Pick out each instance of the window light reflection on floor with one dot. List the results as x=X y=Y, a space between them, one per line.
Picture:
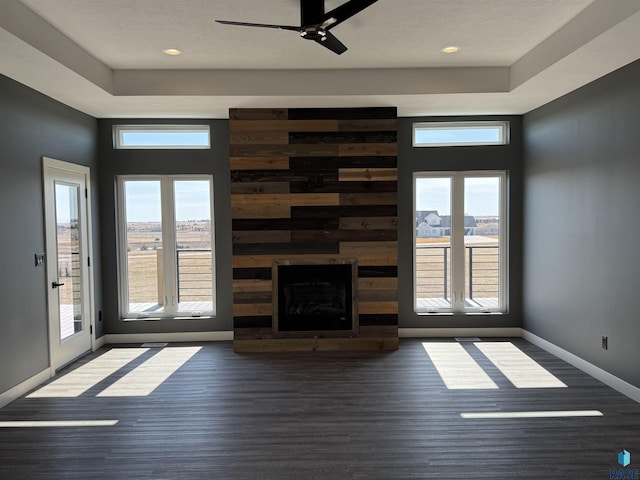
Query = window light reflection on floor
x=58 y=423
x=78 y=381
x=517 y=366
x=533 y=414
x=456 y=367
x=144 y=379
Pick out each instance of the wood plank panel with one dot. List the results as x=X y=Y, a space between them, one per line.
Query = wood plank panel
x=343 y=235
x=368 y=124
x=355 y=248
x=252 y=309
x=367 y=174
x=259 y=137
x=312 y=150
x=269 y=125
x=378 y=307
x=289 y=200
x=257 y=114
x=285 y=249
x=357 y=149
x=261 y=236
x=308 y=223
x=252 y=285
x=345 y=211
x=369 y=223
x=368 y=199
x=259 y=188
x=377 y=283
x=377 y=161
x=259 y=163
x=261 y=211
x=362 y=113
x=365 y=296
x=263 y=261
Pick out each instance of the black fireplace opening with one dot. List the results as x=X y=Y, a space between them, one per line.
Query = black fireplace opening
x=315 y=297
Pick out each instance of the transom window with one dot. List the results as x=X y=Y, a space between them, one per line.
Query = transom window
x=167 y=262
x=447 y=134
x=459 y=242
x=161 y=137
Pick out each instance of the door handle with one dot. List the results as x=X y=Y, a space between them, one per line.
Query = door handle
x=56 y=284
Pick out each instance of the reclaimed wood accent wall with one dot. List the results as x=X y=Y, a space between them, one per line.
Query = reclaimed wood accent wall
x=314 y=184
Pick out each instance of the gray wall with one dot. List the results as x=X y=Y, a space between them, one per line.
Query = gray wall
x=582 y=222
x=502 y=157
x=168 y=162
x=32 y=126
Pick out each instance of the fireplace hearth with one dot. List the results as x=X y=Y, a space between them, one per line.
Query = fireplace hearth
x=315 y=297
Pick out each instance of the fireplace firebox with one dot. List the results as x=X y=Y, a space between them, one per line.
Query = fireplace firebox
x=315 y=296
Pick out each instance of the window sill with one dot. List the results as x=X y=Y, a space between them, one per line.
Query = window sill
x=458 y=313
x=155 y=319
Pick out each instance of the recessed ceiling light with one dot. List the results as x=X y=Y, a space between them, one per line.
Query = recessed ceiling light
x=450 y=49
x=171 y=51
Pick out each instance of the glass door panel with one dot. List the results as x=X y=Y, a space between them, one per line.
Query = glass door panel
x=482 y=230
x=144 y=261
x=69 y=283
x=194 y=256
x=433 y=243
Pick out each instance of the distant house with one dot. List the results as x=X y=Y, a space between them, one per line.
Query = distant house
x=470 y=224
x=429 y=224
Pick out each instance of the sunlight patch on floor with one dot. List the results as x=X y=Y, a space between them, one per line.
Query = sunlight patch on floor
x=533 y=414
x=456 y=367
x=517 y=366
x=78 y=381
x=58 y=423
x=144 y=379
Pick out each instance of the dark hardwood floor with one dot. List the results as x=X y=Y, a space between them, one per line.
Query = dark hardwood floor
x=333 y=415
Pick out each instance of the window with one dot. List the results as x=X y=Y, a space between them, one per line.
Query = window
x=460 y=238
x=161 y=136
x=166 y=246
x=445 y=134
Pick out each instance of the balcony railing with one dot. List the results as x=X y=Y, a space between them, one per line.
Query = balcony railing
x=433 y=282
x=195 y=275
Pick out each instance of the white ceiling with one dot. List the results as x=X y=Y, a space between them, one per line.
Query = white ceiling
x=105 y=57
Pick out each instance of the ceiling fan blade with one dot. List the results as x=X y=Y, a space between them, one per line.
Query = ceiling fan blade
x=346 y=11
x=262 y=25
x=332 y=43
x=311 y=12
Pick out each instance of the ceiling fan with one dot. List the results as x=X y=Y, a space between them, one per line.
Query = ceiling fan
x=315 y=23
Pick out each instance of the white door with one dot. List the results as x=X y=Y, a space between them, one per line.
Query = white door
x=68 y=260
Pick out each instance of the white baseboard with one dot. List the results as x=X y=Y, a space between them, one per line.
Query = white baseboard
x=168 y=337
x=459 y=332
x=590 y=369
x=24 y=387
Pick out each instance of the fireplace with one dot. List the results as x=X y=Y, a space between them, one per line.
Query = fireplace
x=315 y=297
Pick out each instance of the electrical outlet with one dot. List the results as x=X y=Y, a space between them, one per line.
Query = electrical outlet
x=605 y=342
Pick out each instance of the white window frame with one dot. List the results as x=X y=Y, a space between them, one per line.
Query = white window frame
x=458 y=258
x=120 y=130
x=169 y=279
x=502 y=126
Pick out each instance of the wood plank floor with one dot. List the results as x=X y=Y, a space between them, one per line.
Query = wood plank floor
x=330 y=415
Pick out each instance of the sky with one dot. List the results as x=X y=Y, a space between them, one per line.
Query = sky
x=143 y=202
x=481 y=195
